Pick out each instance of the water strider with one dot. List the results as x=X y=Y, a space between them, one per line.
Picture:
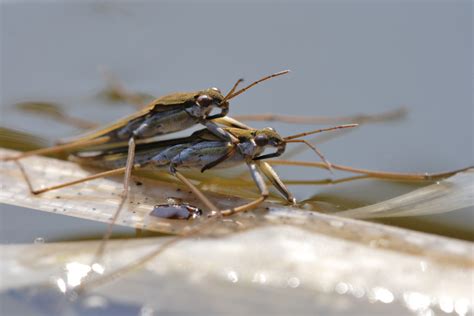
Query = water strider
x=201 y=151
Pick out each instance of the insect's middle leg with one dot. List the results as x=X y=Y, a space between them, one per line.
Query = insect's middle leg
x=197 y=192
x=400 y=176
x=260 y=182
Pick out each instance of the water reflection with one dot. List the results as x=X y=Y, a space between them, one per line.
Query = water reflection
x=382 y=294
x=232 y=276
x=76 y=272
x=39 y=240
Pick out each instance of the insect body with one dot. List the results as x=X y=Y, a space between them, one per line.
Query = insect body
x=165 y=115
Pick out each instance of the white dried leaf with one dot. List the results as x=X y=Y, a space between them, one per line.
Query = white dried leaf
x=444 y=196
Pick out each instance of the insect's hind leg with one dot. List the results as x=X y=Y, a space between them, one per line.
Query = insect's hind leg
x=400 y=176
x=66 y=184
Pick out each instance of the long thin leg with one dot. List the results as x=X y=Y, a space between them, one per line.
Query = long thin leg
x=123 y=198
x=124 y=195
x=67 y=184
x=129 y=166
x=25 y=176
x=257 y=177
x=197 y=192
x=195 y=231
x=374 y=173
x=273 y=177
x=207 y=224
x=59 y=148
x=300 y=119
x=326 y=181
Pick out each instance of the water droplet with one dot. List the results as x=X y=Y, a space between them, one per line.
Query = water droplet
x=39 y=240
x=342 y=288
x=293 y=282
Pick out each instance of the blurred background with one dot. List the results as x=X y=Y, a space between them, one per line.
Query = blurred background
x=347 y=57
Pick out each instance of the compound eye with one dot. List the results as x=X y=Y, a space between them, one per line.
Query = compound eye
x=216 y=89
x=204 y=100
x=261 y=140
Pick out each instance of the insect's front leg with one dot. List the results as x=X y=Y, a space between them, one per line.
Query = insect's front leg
x=273 y=177
x=262 y=187
x=231 y=122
